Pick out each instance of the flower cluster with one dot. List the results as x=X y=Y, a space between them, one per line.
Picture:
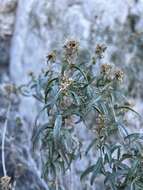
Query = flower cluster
x=105 y=68
x=75 y=94
x=65 y=83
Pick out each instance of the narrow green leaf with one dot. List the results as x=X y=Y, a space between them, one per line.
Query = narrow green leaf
x=81 y=71
x=96 y=170
x=87 y=171
x=38 y=132
x=57 y=127
x=48 y=87
x=90 y=146
x=76 y=97
x=134 y=136
x=128 y=108
x=97 y=109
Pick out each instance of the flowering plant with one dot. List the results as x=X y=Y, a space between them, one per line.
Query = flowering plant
x=68 y=97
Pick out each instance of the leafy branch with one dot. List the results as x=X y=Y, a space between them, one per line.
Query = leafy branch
x=68 y=97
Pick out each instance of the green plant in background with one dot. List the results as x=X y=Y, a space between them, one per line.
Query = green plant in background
x=68 y=97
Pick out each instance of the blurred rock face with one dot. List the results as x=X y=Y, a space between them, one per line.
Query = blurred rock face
x=7 y=20
x=20 y=165
x=31 y=28
x=4 y=51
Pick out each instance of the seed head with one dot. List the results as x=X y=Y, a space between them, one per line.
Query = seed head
x=71 y=47
x=51 y=56
x=119 y=75
x=105 y=68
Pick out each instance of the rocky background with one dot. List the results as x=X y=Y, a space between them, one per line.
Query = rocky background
x=29 y=29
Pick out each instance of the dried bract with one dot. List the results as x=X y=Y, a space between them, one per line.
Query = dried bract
x=71 y=48
x=105 y=68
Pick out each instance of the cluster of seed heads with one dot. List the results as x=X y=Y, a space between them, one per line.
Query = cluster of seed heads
x=105 y=68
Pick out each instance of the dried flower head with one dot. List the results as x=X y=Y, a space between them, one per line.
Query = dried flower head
x=10 y=88
x=51 y=56
x=119 y=75
x=5 y=183
x=105 y=68
x=129 y=103
x=71 y=47
x=100 y=49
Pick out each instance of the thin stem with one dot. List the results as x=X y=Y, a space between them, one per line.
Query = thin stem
x=57 y=186
x=71 y=177
x=14 y=185
x=3 y=140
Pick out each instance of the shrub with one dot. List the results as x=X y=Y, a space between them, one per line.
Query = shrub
x=68 y=97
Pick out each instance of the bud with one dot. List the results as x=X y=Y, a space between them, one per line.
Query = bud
x=51 y=56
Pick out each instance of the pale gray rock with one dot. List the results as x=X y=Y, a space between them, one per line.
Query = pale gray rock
x=20 y=165
x=7 y=20
x=29 y=29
